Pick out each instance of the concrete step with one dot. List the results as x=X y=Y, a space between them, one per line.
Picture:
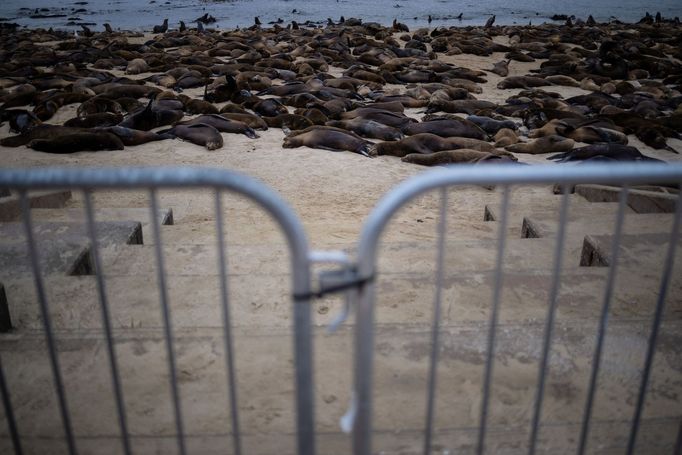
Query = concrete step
x=550 y=209
x=643 y=252
x=264 y=299
x=640 y=199
x=63 y=248
x=266 y=393
x=71 y=215
x=10 y=206
x=649 y=223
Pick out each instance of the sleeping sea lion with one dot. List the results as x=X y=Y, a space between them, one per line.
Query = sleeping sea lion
x=148 y=118
x=446 y=127
x=456 y=157
x=199 y=134
x=505 y=137
x=91 y=141
x=429 y=143
x=329 y=138
x=130 y=136
x=223 y=125
x=368 y=128
x=617 y=152
x=547 y=144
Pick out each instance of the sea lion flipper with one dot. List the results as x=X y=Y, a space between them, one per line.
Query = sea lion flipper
x=559 y=156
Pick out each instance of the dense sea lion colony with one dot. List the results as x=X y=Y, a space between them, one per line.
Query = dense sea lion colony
x=259 y=78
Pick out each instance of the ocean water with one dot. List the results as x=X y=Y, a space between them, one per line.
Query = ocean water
x=144 y=14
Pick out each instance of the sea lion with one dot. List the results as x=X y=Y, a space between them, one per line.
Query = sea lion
x=446 y=127
x=500 y=68
x=458 y=106
x=137 y=66
x=93 y=120
x=456 y=157
x=130 y=136
x=394 y=119
x=328 y=138
x=368 y=128
x=522 y=82
x=291 y=121
x=222 y=124
x=148 y=118
x=616 y=152
x=199 y=134
x=91 y=141
x=97 y=105
x=161 y=28
x=505 y=137
x=251 y=120
x=42 y=131
x=490 y=125
x=547 y=144
x=270 y=107
x=20 y=120
x=429 y=143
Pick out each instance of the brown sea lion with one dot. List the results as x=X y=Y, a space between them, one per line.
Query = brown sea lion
x=491 y=125
x=394 y=119
x=459 y=106
x=222 y=124
x=20 y=120
x=94 y=120
x=91 y=141
x=148 y=118
x=456 y=157
x=616 y=152
x=328 y=138
x=500 y=68
x=547 y=144
x=368 y=128
x=195 y=106
x=446 y=127
x=291 y=121
x=505 y=137
x=253 y=121
x=42 y=131
x=522 y=82
x=137 y=66
x=199 y=134
x=130 y=136
x=429 y=143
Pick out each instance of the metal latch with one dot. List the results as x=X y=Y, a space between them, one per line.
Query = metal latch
x=343 y=279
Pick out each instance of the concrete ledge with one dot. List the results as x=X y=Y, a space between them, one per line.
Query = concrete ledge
x=10 y=206
x=640 y=200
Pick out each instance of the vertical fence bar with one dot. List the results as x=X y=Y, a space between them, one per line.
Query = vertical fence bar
x=435 y=347
x=106 y=322
x=492 y=326
x=168 y=329
x=549 y=325
x=603 y=320
x=655 y=326
x=47 y=323
x=9 y=413
x=678 y=443
x=227 y=324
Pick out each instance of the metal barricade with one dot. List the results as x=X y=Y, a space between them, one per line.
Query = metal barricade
x=357 y=279
x=504 y=176
x=155 y=179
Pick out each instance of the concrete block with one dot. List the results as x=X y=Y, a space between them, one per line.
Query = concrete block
x=10 y=206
